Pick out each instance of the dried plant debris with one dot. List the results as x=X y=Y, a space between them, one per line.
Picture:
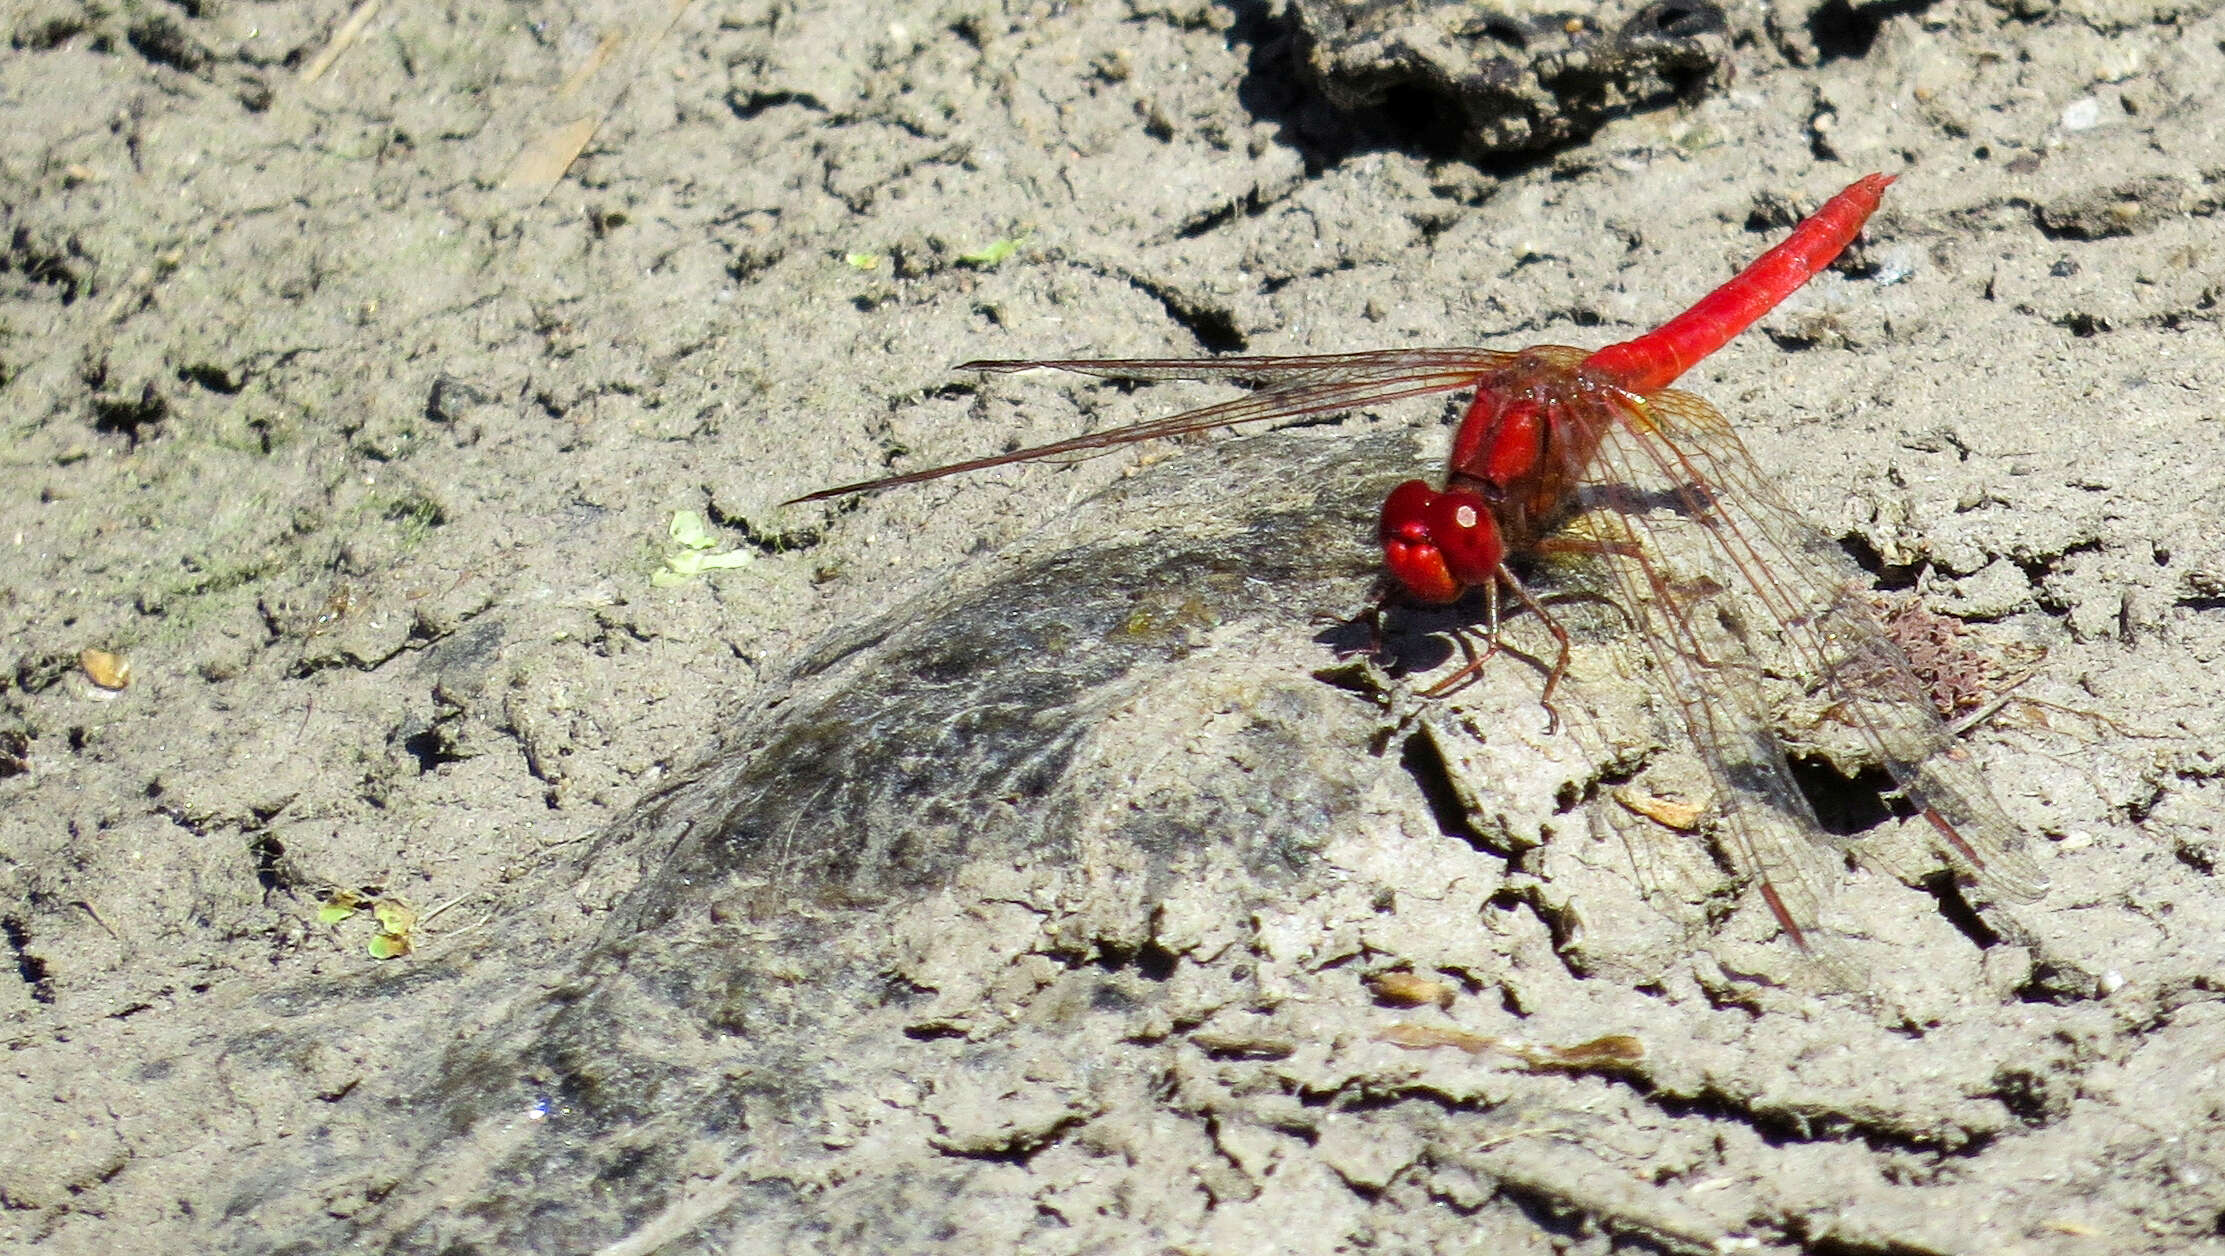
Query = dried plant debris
x=106 y=668
x=1411 y=989
x=1611 y=1053
x=397 y=920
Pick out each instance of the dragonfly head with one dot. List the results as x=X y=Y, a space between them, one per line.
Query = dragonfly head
x=1439 y=544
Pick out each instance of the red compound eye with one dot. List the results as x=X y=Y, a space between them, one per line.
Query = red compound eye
x=1438 y=545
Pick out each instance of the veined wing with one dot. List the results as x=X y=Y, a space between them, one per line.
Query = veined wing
x=1294 y=387
x=1261 y=371
x=1668 y=573
x=1733 y=584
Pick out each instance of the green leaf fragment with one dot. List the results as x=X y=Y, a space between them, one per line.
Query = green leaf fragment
x=396 y=920
x=395 y=916
x=689 y=529
x=993 y=252
x=339 y=905
x=694 y=536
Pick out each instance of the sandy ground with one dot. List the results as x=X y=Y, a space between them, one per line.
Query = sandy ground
x=1005 y=863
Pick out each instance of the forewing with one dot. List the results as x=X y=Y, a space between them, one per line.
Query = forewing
x=1294 y=387
x=1261 y=371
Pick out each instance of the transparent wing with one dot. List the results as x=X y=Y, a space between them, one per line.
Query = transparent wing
x=1665 y=562
x=1692 y=510
x=1290 y=388
x=1260 y=371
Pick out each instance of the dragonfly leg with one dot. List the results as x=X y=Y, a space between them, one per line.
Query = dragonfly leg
x=1469 y=670
x=1473 y=667
x=1560 y=642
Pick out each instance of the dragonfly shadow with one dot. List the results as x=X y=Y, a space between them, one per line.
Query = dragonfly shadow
x=1414 y=641
x=1692 y=501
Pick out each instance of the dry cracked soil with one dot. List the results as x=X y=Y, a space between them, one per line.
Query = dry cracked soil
x=518 y=832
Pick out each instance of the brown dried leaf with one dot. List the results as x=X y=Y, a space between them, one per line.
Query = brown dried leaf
x=1684 y=817
x=1407 y=989
x=1609 y=1053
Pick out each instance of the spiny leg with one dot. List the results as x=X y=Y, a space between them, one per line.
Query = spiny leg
x=1473 y=667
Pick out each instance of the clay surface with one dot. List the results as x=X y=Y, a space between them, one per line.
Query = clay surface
x=1012 y=862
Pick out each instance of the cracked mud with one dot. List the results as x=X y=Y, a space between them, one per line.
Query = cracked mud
x=1010 y=863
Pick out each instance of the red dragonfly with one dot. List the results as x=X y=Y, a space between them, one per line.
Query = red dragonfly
x=1563 y=451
